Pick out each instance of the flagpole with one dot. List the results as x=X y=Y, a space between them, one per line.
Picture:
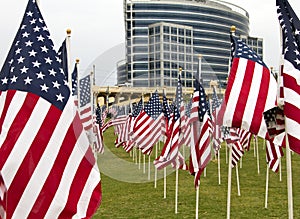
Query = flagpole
x=229 y=182
x=219 y=167
x=155 y=169
x=68 y=47
x=238 y=179
x=289 y=178
x=257 y=155
x=197 y=201
x=267 y=187
x=176 y=191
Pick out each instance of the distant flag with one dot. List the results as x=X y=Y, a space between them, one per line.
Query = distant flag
x=46 y=161
x=273 y=155
x=85 y=105
x=290 y=26
x=201 y=130
x=251 y=90
x=97 y=128
x=167 y=114
x=63 y=58
x=147 y=125
x=75 y=84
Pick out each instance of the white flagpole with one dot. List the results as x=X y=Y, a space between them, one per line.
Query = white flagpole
x=229 y=182
x=226 y=154
x=267 y=187
x=155 y=169
x=219 y=167
x=149 y=167
x=238 y=179
x=289 y=179
x=197 y=201
x=144 y=170
x=257 y=154
x=68 y=47
x=176 y=191
x=140 y=154
x=165 y=182
x=280 y=170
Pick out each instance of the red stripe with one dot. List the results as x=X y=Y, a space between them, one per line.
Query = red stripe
x=243 y=95
x=260 y=101
x=33 y=155
x=291 y=83
x=86 y=110
x=9 y=95
x=292 y=112
x=79 y=181
x=53 y=180
x=294 y=143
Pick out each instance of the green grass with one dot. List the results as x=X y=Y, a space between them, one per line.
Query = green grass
x=122 y=199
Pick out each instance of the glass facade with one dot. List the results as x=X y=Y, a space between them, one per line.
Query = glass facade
x=163 y=35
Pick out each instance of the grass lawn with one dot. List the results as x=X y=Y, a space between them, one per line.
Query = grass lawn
x=127 y=192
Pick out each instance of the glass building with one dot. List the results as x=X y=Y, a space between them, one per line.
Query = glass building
x=165 y=35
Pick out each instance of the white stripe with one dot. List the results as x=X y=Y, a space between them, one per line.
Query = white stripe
x=234 y=95
x=252 y=97
x=25 y=139
x=12 y=111
x=292 y=97
x=46 y=162
x=2 y=102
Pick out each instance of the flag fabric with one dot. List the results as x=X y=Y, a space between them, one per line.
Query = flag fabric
x=234 y=141
x=46 y=162
x=167 y=114
x=273 y=155
x=97 y=128
x=75 y=84
x=3 y=197
x=63 y=58
x=290 y=74
x=251 y=90
x=147 y=125
x=200 y=151
x=85 y=105
x=217 y=134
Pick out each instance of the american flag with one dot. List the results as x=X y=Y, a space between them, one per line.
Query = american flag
x=234 y=141
x=147 y=125
x=251 y=90
x=85 y=105
x=97 y=128
x=290 y=26
x=273 y=155
x=75 y=84
x=167 y=114
x=63 y=58
x=46 y=161
x=201 y=129
x=217 y=134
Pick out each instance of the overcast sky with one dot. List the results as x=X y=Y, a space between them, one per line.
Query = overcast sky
x=98 y=25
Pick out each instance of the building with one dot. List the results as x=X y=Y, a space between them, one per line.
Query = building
x=165 y=35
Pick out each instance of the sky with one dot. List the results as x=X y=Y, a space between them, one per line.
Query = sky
x=98 y=26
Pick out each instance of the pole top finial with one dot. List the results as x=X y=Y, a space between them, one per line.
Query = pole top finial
x=180 y=69
x=77 y=61
x=232 y=29
x=68 y=31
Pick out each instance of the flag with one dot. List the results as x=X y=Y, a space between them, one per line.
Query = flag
x=201 y=129
x=85 y=105
x=290 y=74
x=251 y=90
x=233 y=139
x=167 y=114
x=273 y=155
x=46 y=162
x=97 y=128
x=217 y=134
x=63 y=58
x=75 y=84
x=147 y=125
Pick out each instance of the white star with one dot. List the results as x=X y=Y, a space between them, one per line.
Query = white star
x=40 y=38
x=297 y=61
x=44 y=49
x=29 y=14
x=40 y=75
x=56 y=84
x=48 y=61
x=4 y=80
x=18 y=51
x=21 y=60
x=60 y=98
x=28 y=43
x=36 y=29
x=58 y=59
x=24 y=70
x=32 y=53
x=27 y=80
x=25 y=35
x=14 y=79
x=52 y=72
x=32 y=21
x=12 y=69
x=36 y=64
x=44 y=87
